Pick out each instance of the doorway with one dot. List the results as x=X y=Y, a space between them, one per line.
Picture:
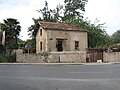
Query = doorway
x=59 y=45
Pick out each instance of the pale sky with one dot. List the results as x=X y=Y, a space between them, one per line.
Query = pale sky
x=107 y=11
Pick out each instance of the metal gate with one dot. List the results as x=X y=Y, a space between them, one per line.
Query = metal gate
x=94 y=54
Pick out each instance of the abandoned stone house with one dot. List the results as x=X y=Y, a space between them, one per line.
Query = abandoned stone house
x=58 y=37
x=63 y=43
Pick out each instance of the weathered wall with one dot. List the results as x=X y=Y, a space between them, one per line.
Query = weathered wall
x=48 y=39
x=29 y=58
x=69 y=40
x=53 y=57
x=68 y=57
x=111 y=57
x=41 y=38
x=63 y=57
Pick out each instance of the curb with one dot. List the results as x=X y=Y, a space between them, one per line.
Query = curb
x=41 y=64
x=57 y=63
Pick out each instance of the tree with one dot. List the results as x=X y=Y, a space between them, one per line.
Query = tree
x=31 y=43
x=73 y=9
x=34 y=28
x=46 y=13
x=21 y=43
x=56 y=13
x=116 y=37
x=97 y=37
x=12 y=29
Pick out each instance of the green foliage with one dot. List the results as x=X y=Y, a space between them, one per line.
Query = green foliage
x=63 y=13
x=97 y=37
x=12 y=29
x=34 y=28
x=31 y=42
x=32 y=32
x=21 y=43
x=7 y=58
x=73 y=9
x=116 y=37
x=49 y=14
x=2 y=49
x=56 y=13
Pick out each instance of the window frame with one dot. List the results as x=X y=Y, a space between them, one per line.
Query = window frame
x=40 y=32
x=41 y=46
x=76 y=45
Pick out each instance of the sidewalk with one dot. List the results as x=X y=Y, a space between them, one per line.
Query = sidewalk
x=59 y=63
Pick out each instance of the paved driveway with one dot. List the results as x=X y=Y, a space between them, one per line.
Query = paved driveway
x=60 y=77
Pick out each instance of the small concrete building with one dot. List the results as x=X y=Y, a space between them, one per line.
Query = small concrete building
x=58 y=37
x=58 y=43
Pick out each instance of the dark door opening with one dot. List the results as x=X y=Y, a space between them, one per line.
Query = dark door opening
x=59 y=45
x=94 y=54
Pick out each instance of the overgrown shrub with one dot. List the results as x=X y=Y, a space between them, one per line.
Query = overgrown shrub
x=2 y=50
x=7 y=58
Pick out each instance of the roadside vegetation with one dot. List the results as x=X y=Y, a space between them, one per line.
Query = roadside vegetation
x=10 y=29
x=71 y=12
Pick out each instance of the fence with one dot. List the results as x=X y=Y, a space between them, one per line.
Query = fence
x=65 y=57
x=52 y=57
x=111 y=56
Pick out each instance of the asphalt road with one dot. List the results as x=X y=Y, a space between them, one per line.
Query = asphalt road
x=60 y=77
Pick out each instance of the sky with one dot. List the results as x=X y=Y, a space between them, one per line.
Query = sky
x=106 y=11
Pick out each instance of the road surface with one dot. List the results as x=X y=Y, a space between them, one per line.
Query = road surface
x=60 y=77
